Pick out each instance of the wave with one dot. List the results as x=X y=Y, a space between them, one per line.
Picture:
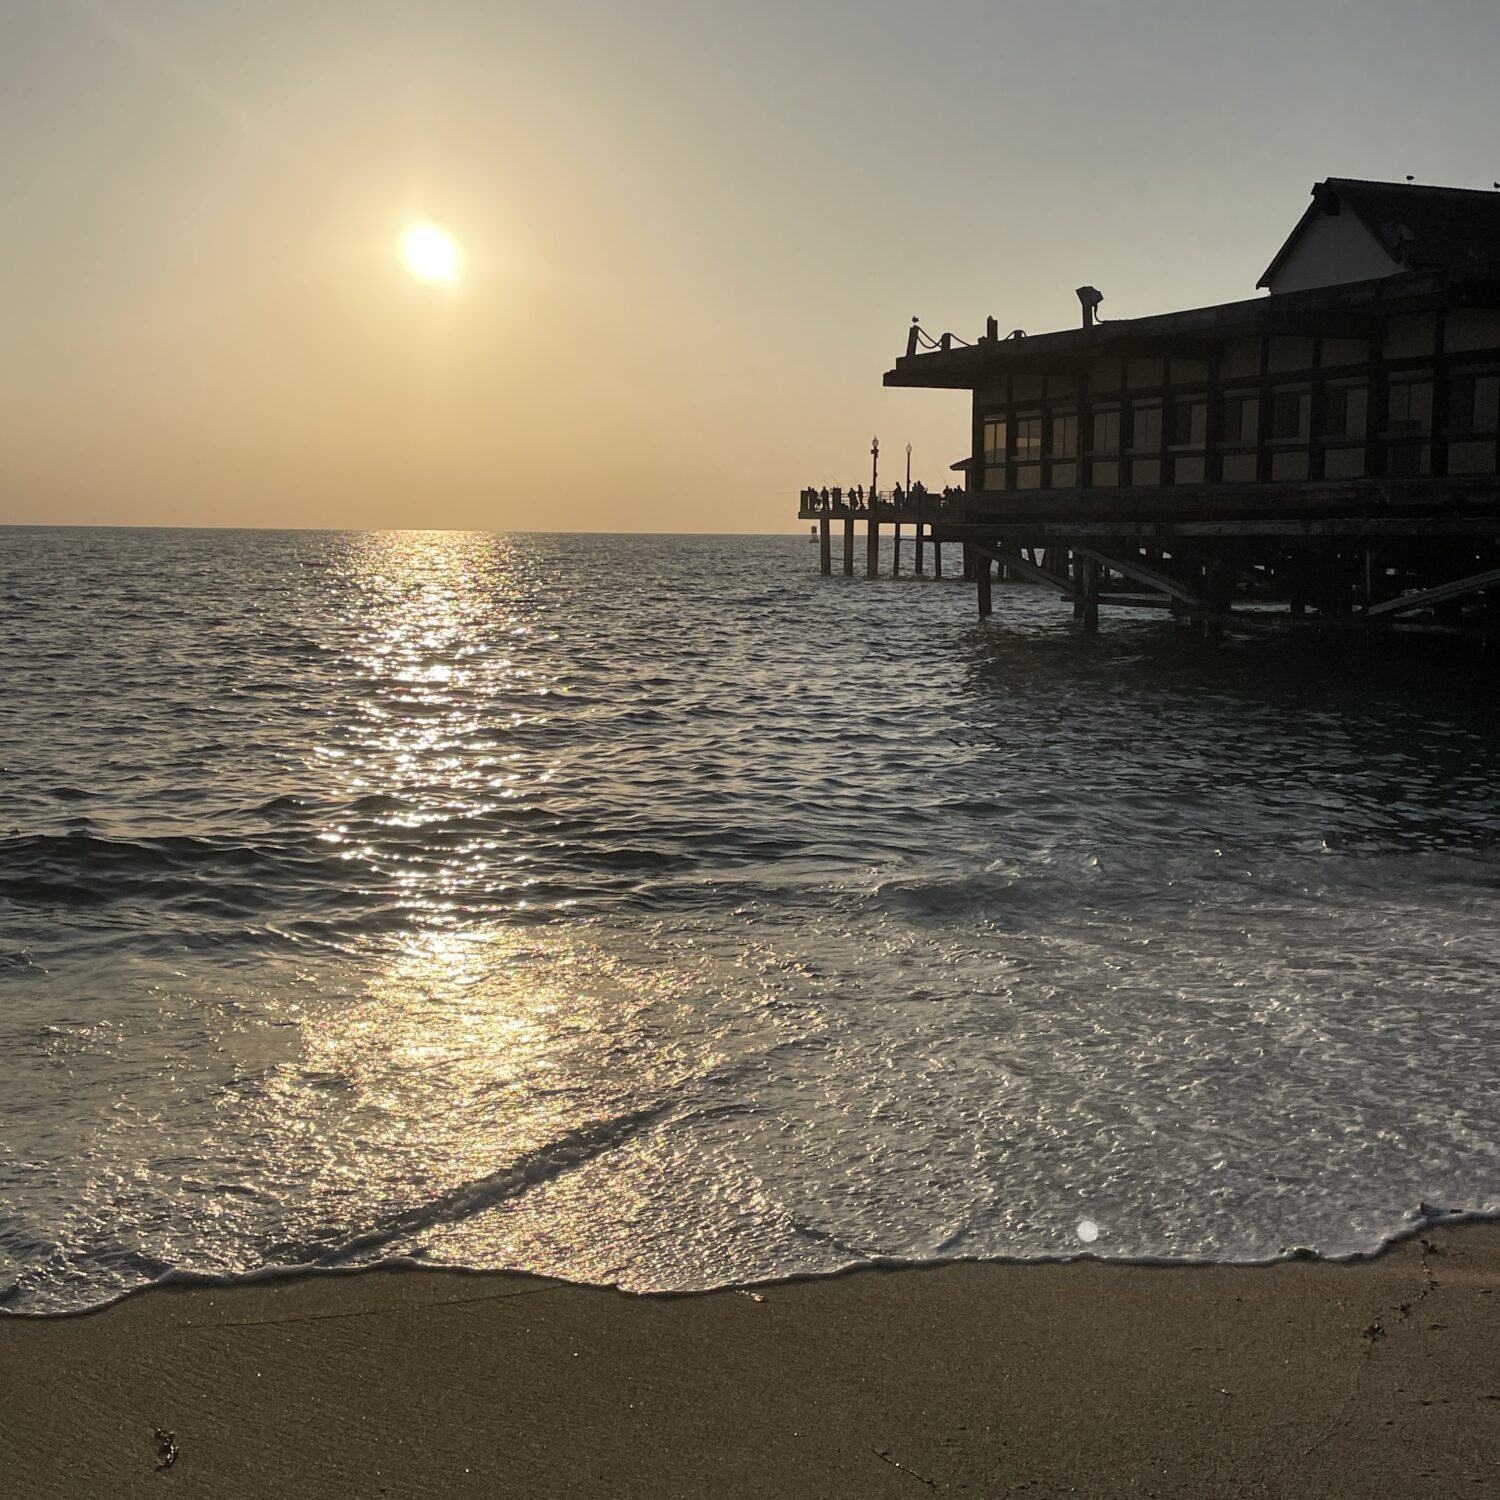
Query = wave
x=152 y=1273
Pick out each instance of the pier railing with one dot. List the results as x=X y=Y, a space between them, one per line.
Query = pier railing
x=882 y=505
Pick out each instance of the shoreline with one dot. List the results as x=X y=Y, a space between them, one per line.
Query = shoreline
x=201 y=1281
x=1091 y=1377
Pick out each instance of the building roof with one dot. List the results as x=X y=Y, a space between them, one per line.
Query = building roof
x=1352 y=309
x=1419 y=227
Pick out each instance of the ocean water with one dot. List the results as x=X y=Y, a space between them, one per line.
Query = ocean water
x=651 y=911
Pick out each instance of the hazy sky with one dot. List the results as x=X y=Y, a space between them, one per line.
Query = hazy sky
x=695 y=232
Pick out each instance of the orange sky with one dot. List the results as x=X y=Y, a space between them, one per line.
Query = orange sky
x=694 y=233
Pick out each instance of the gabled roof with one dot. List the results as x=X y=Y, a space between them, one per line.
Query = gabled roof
x=1419 y=227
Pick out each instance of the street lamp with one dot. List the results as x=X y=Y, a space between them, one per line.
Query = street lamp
x=908 y=468
x=874 y=469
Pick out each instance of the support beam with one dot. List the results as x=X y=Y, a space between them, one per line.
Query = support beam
x=921 y=564
x=1017 y=563
x=825 y=553
x=872 y=546
x=1090 y=582
x=896 y=550
x=982 y=578
x=1133 y=568
x=937 y=558
x=1439 y=595
x=848 y=546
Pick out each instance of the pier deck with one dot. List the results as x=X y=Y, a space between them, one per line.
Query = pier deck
x=1381 y=553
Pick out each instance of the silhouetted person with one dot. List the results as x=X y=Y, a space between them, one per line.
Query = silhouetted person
x=897 y=496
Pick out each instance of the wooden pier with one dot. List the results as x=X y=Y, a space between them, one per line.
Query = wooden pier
x=1331 y=456
x=1413 y=555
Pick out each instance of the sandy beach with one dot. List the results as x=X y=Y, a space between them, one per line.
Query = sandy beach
x=1300 y=1379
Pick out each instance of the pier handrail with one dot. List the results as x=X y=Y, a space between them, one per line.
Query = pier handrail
x=882 y=503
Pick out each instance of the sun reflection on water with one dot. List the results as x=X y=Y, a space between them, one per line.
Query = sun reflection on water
x=423 y=758
x=475 y=1065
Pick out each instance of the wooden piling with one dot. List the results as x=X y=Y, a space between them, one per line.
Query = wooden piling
x=872 y=547
x=921 y=565
x=825 y=554
x=848 y=546
x=981 y=566
x=896 y=550
x=1090 y=585
x=937 y=558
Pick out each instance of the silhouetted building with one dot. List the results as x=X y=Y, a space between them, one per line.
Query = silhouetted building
x=1376 y=357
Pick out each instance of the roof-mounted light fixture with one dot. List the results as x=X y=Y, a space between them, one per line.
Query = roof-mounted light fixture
x=1090 y=297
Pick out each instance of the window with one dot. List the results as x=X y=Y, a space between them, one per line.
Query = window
x=1064 y=435
x=1408 y=337
x=1473 y=402
x=1344 y=411
x=1289 y=414
x=994 y=453
x=1029 y=438
x=1187 y=371
x=1290 y=354
x=1334 y=352
x=1408 y=460
x=1145 y=429
x=1106 y=432
x=1241 y=419
x=1240 y=357
x=1409 y=406
x=1472 y=458
x=1189 y=423
x=1471 y=328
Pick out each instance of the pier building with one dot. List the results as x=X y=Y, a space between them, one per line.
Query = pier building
x=1328 y=451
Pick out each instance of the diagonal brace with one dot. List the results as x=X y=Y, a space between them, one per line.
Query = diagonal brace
x=1132 y=568
x=1439 y=595
x=1011 y=558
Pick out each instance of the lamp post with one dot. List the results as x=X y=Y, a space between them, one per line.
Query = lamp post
x=908 y=468
x=874 y=468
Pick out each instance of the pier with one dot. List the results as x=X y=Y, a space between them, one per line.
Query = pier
x=1326 y=455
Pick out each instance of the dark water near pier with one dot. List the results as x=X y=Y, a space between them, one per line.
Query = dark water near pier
x=654 y=911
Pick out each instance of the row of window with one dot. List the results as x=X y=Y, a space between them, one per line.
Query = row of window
x=1020 y=441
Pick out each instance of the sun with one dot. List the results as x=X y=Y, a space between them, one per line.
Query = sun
x=431 y=253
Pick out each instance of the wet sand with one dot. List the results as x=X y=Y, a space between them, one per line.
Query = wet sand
x=1304 y=1379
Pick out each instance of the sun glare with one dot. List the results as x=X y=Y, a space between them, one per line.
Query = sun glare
x=431 y=253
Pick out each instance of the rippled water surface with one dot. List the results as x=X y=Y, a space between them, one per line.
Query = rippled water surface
x=653 y=911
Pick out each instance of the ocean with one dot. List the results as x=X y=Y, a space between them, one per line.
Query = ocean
x=650 y=911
